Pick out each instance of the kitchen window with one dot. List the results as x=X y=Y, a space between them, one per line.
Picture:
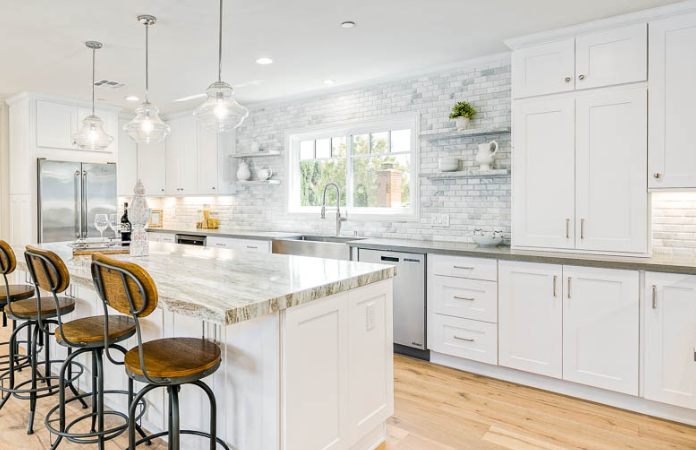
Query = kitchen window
x=374 y=165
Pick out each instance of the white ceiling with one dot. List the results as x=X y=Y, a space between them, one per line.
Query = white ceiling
x=42 y=41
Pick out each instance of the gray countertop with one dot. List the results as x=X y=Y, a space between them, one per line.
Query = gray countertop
x=227 y=287
x=656 y=263
x=228 y=232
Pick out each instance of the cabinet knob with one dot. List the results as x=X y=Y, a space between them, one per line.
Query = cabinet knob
x=568 y=79
x=582 y=77
x=162 y=190
x=657 y=175
x=213 y=188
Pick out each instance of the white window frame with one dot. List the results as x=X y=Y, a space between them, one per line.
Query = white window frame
x=292 y=144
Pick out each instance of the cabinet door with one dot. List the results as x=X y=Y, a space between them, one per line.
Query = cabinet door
x=672 y=97
x=670 y=338
x=189 y=158
x=530 y=317
x=600 y=328
x=151 y=167
x=55 y=125
x=127 y=167
x=543 y=69
x=612 y=57
x=544 y=172
x=173 y=161
x=611 y=167
x=207 y=161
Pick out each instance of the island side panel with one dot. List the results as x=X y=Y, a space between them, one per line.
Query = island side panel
x=337 y=370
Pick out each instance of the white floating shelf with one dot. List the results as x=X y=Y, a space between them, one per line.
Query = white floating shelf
x=256 y=154
x=466 y=174
x=453 y=134
x=255 y=182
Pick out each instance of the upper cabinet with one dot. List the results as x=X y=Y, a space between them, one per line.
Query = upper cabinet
x=151 y=168
x=672 y=162
x=544 y=69
x=182 y=157
x=127 y=166
x=593 y=60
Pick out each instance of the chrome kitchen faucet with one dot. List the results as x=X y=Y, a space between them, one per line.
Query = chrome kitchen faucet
x=339 y=219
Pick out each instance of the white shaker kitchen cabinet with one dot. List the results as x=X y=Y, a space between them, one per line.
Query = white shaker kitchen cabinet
x=182 y=157
x=55 y=125
x=670 y=338
x=611 y=167
x=672 y=156
x=544 y=69
x=543 y=164
x=600 y=328
x=612 y=57
x=530 y=317
x=127 y=166
x=151 y=167
x=207 y=160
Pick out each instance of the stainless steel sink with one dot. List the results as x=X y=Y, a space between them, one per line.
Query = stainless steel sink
x=329 y=247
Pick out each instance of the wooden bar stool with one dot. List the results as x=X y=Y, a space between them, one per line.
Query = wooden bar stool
x=168 y=363
x=13 y=292
x=85 y=335
x=37 y=315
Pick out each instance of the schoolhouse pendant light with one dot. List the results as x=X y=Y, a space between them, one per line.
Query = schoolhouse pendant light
x=92 y=135
x=220 y=112
x=147 y=127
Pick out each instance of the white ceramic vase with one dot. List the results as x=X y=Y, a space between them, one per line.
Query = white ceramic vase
x=462 y=123
x=243 y=173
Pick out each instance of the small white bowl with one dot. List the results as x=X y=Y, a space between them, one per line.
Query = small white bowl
x=448 y=164
x=488 y=240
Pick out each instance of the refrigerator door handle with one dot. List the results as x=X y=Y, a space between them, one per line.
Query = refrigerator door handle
x=78 y=216
x=83 y=214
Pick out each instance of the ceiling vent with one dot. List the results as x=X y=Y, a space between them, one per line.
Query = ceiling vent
x=108 y=84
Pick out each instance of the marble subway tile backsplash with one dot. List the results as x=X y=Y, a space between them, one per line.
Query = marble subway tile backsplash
x=674 y=223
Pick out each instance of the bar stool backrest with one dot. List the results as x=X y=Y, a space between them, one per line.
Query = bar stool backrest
x=8 y=260
x=47 y=270
x=125 y=286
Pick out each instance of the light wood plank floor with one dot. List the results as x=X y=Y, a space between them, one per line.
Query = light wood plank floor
x=444 y=409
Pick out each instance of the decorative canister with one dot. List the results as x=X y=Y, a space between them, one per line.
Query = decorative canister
x=243 y=173
x=139 y=213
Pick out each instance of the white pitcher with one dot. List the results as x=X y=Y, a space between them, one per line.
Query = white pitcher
x=485 y=156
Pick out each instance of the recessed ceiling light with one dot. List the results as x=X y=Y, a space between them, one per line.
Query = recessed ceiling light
x=133 y=98
x=348 y=24
x=264 y=61
x=329 y=82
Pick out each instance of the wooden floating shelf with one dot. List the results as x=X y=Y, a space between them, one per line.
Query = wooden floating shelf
x=256 y=154
x=466 y=174
x=453 y=134
x=255 y=182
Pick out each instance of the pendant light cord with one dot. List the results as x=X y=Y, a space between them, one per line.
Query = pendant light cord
x=220 y=47
x=147 y=61
x=94 y=56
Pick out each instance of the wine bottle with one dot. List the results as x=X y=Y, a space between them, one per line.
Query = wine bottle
x=126 y=227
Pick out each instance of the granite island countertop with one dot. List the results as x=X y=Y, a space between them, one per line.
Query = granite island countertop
x=227 y=232
x=227 y=287
x=655 y=263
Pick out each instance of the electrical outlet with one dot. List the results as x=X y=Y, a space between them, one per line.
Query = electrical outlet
x=440 y=220
x=370 y=316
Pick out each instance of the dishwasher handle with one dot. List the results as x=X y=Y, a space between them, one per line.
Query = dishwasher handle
x=390 y=259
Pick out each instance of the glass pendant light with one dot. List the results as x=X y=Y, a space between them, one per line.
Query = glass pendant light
x=92 y=135
x=220 y=112
x=147 y=127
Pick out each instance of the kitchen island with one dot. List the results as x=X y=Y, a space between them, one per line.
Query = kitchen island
x=306 y=342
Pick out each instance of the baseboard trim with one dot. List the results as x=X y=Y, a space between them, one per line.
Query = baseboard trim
x=615 y=399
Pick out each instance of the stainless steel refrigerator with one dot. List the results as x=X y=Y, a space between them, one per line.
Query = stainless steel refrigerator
x=70 y=194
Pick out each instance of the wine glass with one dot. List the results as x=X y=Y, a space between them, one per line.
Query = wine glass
x=113 y=224
x=101 y=223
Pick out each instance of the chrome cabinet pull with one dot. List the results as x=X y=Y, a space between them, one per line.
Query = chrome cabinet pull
x=464 y=339
x=78 y=223
x=464 y=298
x=582 y=77
x=463 y=268
x=568 y=288
x=657 y=175
x=555 y=277
x=582 y=228
x=567 y=228
x=85 y=206
x=568 y=79
x=250 y=246
x=654 y=296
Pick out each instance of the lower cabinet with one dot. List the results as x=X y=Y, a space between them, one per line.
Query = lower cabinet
x=531 y=317
x=244 y=245
x=464 y=338
x=601 y=328
x=670 y=338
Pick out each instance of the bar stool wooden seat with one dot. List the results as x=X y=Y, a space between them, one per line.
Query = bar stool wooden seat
x=37 y=315
x=86 y=335
x=13 y=292
x=168 y=363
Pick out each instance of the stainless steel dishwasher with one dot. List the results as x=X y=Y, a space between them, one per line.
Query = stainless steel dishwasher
x=409 y=299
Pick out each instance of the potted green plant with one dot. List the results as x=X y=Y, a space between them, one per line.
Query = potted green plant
x=462 y=112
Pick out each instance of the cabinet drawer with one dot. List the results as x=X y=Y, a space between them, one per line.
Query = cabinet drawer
x=167 y=237
x=462 y=267
x=252 y=245
x=212 y=241
x=465 y=338
x=468 y=299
